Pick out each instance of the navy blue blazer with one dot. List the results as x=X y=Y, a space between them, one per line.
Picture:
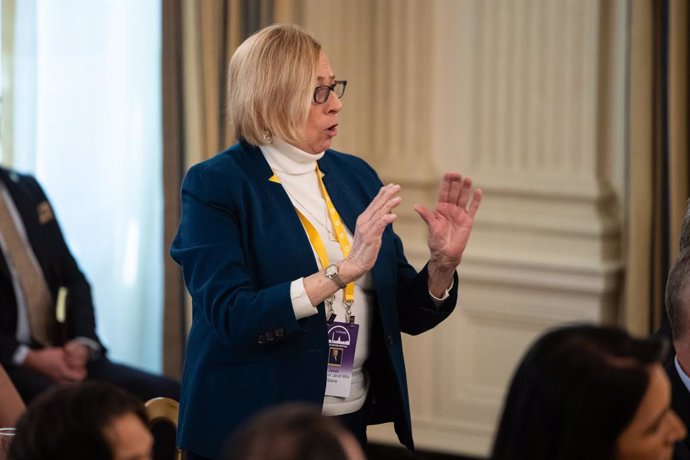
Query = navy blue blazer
x=240 y=244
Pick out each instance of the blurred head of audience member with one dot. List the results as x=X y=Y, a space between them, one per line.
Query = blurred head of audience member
x=588 y=392
x=293 y=432
x=678 y=309
x=90 y=420
x=678 y=304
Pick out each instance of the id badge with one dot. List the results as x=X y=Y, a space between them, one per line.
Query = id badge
x=342 y=341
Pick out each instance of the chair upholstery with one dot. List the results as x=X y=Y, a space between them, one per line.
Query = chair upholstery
x=164 y=410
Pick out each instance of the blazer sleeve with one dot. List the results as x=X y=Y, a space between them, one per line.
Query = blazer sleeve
x=209 y=246
x=416 y=310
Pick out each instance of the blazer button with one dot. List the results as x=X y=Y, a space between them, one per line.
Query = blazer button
x=261 y=339
x=389 y=339
x=279 y=332
x=269 y=336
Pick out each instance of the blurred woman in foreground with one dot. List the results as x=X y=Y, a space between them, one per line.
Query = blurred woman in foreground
x=588 y=392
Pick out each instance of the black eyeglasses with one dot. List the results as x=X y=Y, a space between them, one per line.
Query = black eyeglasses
x=321 y=93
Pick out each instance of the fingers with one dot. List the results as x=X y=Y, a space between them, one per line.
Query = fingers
x=74 y=375
x=71 y=371
x=456 y=190
x=371 y=225
x=465 y=190
x=424 y=213
x=76 y=361
x=383 y=203
x=448 y=183
x=474 y=204
x=385 y=200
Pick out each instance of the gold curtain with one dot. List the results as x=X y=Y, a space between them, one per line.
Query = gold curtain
x=211 y=32
x=173 y=155
x=199 y=38
x=658 y=175
x=679 y=119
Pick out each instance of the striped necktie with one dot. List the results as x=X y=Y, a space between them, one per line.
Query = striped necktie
x=22 y=262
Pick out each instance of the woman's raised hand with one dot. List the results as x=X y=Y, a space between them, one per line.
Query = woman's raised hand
x=368 y=232
x=450 y=224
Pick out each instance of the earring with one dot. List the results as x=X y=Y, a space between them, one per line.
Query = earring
x=267 y=137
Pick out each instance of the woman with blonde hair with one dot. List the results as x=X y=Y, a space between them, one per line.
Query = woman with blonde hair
x=288 y=253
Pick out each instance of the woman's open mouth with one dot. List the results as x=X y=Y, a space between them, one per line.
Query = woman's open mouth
x=332 y=130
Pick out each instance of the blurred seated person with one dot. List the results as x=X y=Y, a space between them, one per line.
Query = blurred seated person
x=588 y=392
x=83 y=421
x=11 y=404
x=294 y=431
x=678 y=369
x=665 y=330
x=35 y=266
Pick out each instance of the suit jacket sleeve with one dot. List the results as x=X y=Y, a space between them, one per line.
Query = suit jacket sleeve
x=210 y=247
x=416 y=309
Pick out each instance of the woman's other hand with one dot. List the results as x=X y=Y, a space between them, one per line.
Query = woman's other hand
x=450 y=225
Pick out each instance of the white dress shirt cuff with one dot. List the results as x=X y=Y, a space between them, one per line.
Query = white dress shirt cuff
x=681 y=373
x=438 y=301
x=300 y=300
x=19 y=355
x=93 y=346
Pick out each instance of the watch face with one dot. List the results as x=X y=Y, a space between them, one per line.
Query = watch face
x=331 y=271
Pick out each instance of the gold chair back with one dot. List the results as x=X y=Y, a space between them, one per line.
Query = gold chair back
x=164 y=410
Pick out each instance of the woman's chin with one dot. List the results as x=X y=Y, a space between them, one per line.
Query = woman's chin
x=323 y=146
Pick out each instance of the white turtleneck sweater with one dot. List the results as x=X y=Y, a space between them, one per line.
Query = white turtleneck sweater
x=296 y=171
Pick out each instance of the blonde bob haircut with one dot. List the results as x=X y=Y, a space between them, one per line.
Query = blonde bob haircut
x=270 y=84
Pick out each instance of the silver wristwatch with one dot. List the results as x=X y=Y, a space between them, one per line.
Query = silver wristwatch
x=332 y=274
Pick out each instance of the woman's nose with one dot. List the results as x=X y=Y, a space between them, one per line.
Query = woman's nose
x=334 y=102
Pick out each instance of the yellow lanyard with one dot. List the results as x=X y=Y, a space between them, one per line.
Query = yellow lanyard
x=340 y=235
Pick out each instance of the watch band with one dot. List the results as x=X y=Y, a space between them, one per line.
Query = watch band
x=332 y=274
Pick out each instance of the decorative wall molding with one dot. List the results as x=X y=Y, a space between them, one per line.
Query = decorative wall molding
x=526 y=97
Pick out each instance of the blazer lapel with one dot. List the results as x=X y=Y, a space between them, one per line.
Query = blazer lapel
x=255 y=163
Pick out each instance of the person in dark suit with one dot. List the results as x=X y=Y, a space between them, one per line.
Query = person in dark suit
x=678 y=369
x=684 y=244
x=287 y=245
x=37 y=348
